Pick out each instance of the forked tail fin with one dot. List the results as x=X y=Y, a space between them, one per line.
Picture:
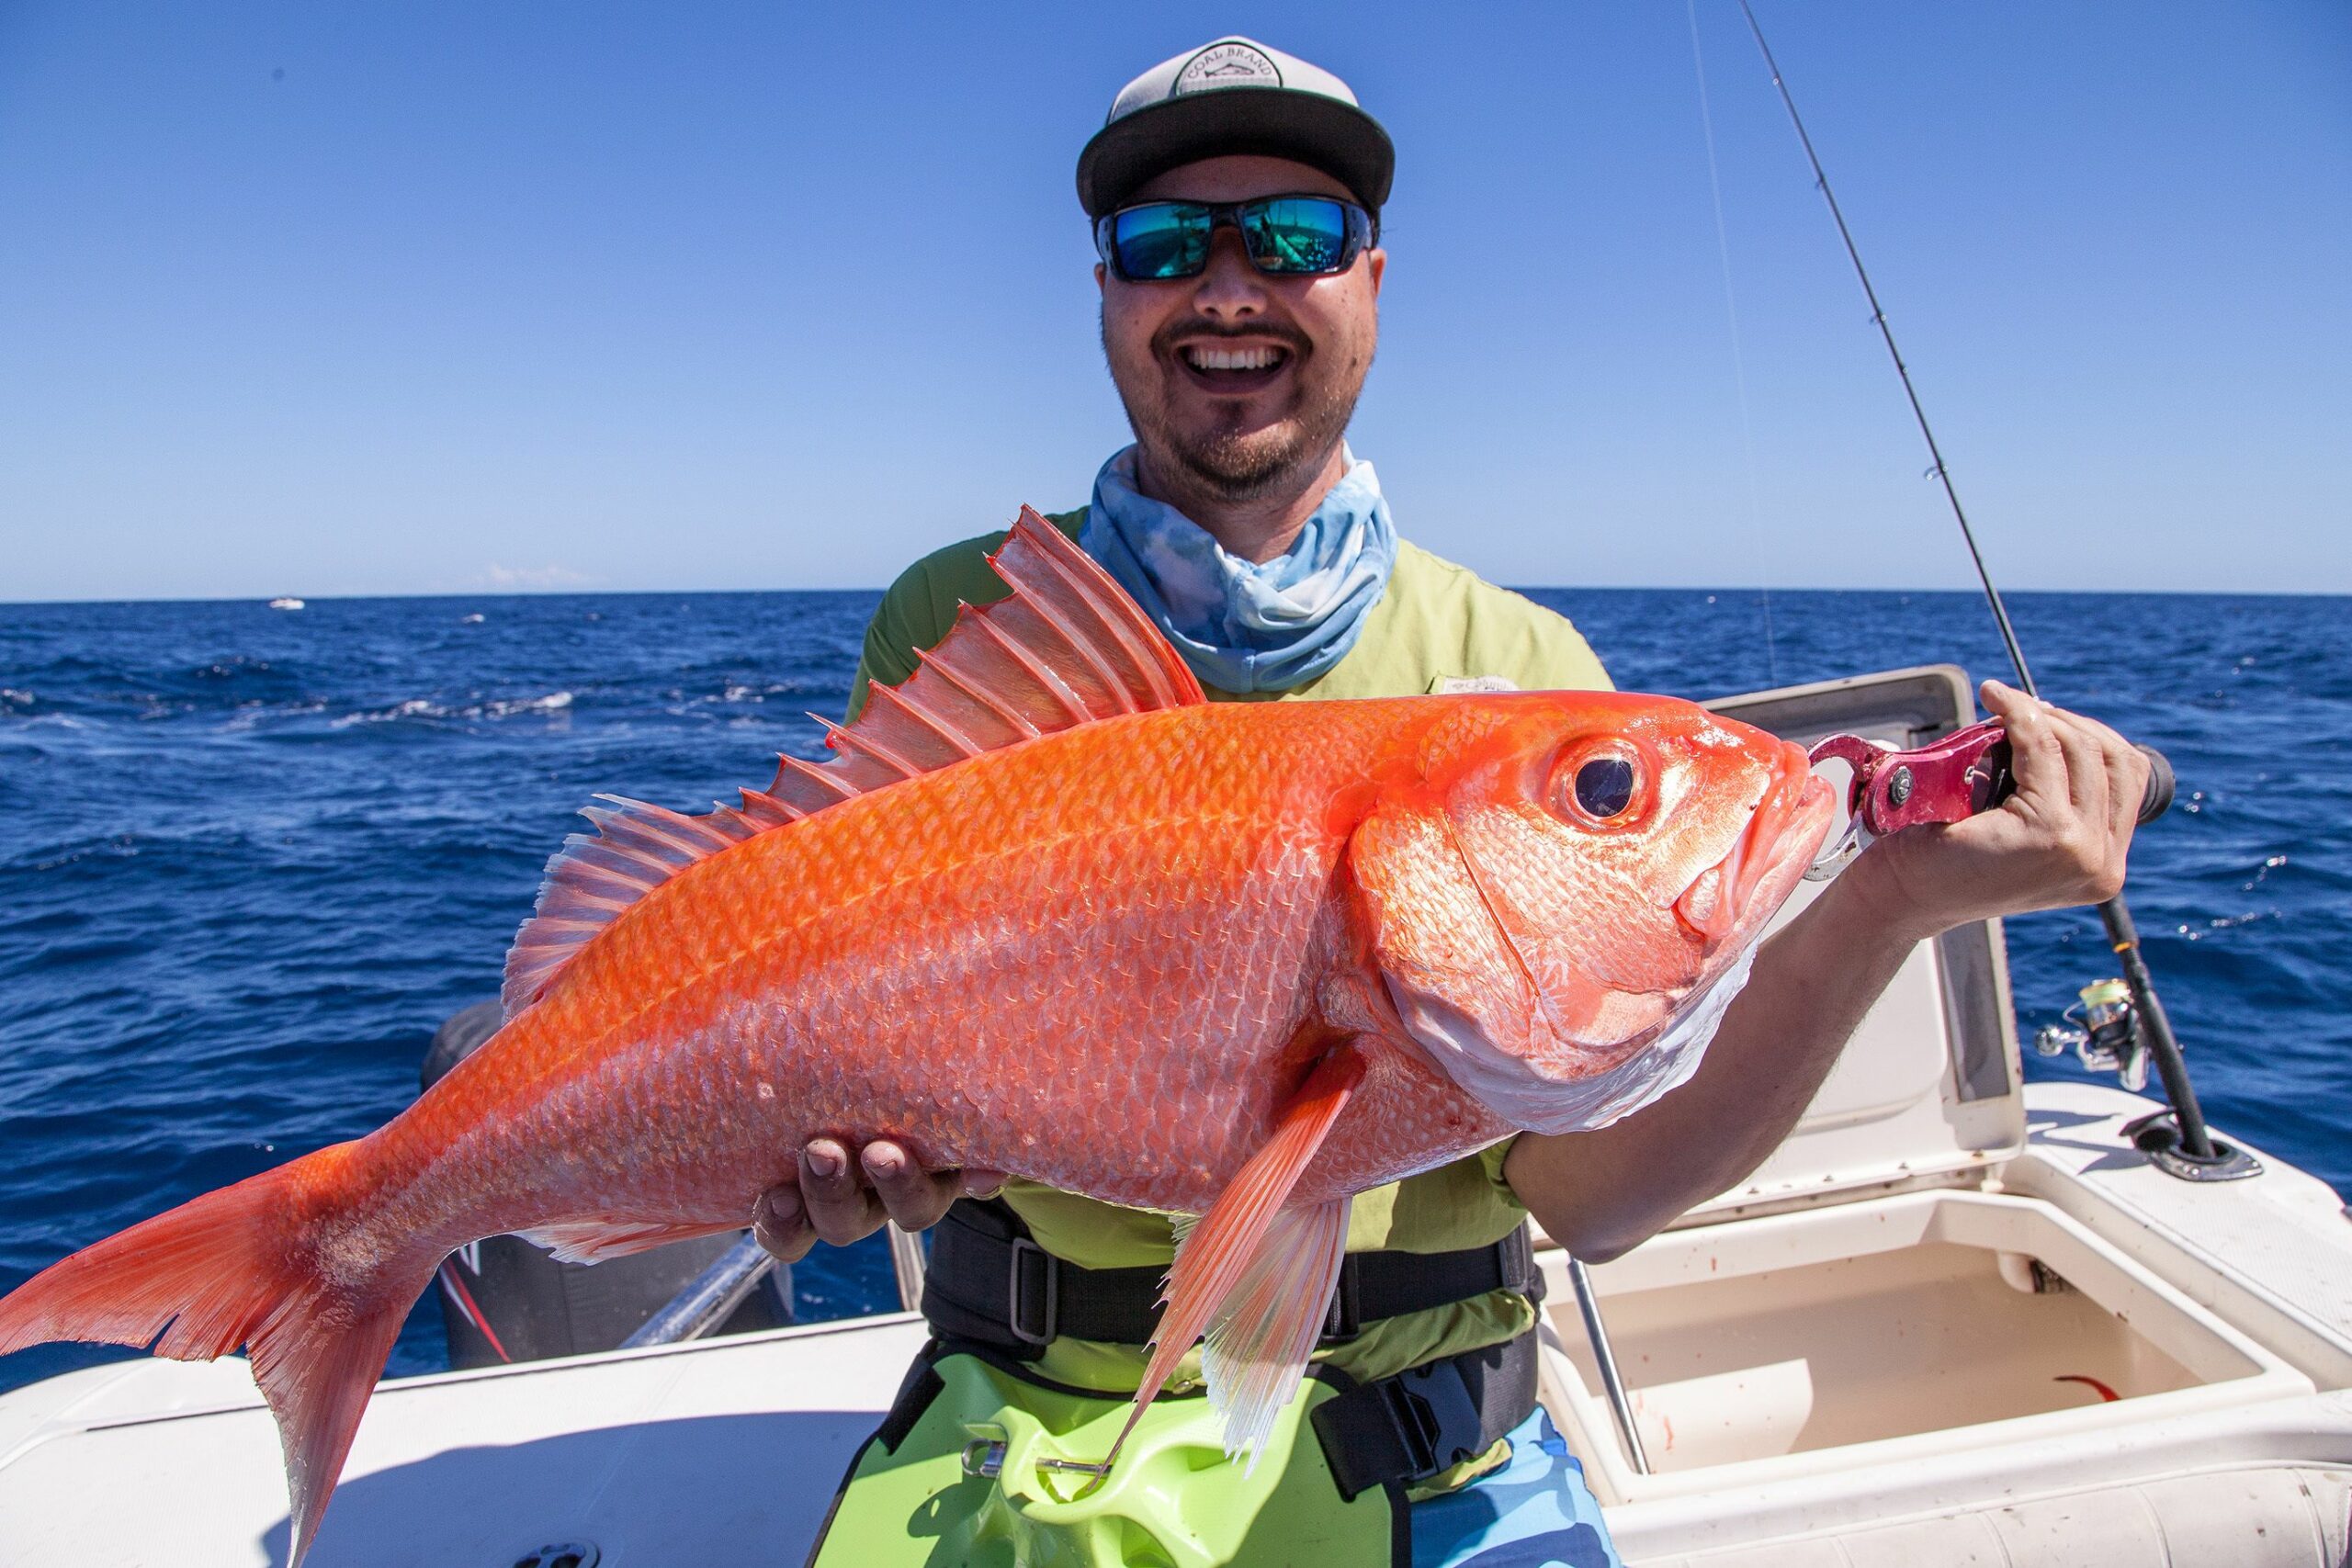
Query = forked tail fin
x=238 y=1266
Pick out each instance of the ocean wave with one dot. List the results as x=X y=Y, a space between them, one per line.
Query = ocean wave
x=554 y=702
x=426 y=708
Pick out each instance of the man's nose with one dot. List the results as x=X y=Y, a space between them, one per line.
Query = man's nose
x=1229 y=287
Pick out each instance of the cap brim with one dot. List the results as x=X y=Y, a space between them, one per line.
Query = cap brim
x=1273 y=122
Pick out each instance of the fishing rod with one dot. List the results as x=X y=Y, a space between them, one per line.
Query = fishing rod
x=2192 y=1153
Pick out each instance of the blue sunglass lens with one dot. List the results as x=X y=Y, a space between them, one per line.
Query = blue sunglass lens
x=1296 y=234
x=1163 y=241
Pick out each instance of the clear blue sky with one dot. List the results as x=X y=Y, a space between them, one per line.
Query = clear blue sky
x=431 y=296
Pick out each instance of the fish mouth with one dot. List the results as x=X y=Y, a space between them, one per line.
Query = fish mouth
x=1783 y=832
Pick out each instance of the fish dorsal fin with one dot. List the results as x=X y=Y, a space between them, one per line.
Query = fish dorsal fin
x=1066 y=647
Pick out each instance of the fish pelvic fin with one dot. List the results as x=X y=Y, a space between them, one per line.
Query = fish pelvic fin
x=232 y=1267
x=1255 y=1276
x=1066 y=647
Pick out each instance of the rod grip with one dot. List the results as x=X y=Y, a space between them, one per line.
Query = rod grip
x=2157 y=799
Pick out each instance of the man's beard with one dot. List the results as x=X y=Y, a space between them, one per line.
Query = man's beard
x=1232 y=463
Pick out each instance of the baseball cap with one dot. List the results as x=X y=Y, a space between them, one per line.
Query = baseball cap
x=1235 y=95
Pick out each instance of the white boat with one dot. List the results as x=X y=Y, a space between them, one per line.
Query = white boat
x=287 y=602
x=1954 y=1319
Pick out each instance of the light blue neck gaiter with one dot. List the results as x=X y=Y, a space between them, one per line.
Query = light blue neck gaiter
x=1248 y=626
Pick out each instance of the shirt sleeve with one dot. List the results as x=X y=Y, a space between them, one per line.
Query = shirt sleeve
x=891 y=639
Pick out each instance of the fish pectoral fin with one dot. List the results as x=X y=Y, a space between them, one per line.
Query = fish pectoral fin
x=1261 y=1338
x=594 y=1241
x=1254 y=1275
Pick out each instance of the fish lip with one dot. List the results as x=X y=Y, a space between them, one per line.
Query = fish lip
x=1793 y=813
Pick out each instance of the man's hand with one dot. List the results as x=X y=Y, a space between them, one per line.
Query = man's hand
x=2060 y=840
x=840 y=1198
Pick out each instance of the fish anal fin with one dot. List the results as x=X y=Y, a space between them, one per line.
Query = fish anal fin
x=1066 y=647
x=1228 y=1267
x=594 y=1241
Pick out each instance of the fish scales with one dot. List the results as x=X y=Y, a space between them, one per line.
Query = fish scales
x=1116 y=935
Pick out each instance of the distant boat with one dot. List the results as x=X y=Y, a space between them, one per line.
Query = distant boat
x=285 y=604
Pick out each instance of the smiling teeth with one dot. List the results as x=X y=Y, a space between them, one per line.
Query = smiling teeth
x=1203 y=359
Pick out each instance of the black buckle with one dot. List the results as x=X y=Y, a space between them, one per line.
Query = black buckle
x=1518 y=1265
x=1046 y=1295
x=1345 y=1321
x=1434 y=1415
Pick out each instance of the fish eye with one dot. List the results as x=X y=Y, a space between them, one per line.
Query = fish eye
x=1604 y=786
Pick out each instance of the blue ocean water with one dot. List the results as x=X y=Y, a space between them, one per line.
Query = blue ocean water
x=249 y=859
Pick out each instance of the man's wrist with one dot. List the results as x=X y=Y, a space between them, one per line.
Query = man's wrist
x=1871 y=899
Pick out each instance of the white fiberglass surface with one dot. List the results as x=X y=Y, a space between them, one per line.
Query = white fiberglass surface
x=1879 y=1321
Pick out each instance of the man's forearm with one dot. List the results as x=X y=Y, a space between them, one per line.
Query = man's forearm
x=1602 y=1194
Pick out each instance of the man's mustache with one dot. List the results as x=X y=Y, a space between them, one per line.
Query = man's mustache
x=1164 y=340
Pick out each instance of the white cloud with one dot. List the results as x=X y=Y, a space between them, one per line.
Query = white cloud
x=497 y=578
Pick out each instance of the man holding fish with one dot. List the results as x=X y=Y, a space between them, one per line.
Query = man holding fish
x=1300 y=1007
x=1236 y=193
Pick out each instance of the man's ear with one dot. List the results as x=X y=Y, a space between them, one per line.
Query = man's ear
x=1377 y=258
x=1099 y=275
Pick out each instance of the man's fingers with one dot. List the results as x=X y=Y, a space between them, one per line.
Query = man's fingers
x=2035 y=757
x=2086 y=784
x=910 y=1195
x=840 y=1197
x=2128 y=771
x=2126 y=774
x=779 y=1224
x=2080 y=782
x=833 y=1191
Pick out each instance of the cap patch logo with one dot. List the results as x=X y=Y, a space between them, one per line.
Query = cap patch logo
x=1227 y=65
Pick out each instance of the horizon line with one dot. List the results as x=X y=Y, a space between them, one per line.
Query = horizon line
x=1715 y=588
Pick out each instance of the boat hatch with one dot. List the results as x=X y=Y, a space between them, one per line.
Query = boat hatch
x=1923 y=1319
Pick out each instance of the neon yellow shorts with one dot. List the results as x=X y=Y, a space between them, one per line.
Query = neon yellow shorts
x=954 y=1477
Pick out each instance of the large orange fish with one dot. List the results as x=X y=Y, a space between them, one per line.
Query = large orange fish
x=1049 y=912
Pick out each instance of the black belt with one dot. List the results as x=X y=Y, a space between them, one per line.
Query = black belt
x=989 y=1282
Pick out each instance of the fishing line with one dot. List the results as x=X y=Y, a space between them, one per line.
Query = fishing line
x=1738 y=359
x=2197 y=1158
x=1937 y=468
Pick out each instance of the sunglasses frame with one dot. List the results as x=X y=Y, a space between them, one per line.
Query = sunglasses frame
x=1362 y=233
